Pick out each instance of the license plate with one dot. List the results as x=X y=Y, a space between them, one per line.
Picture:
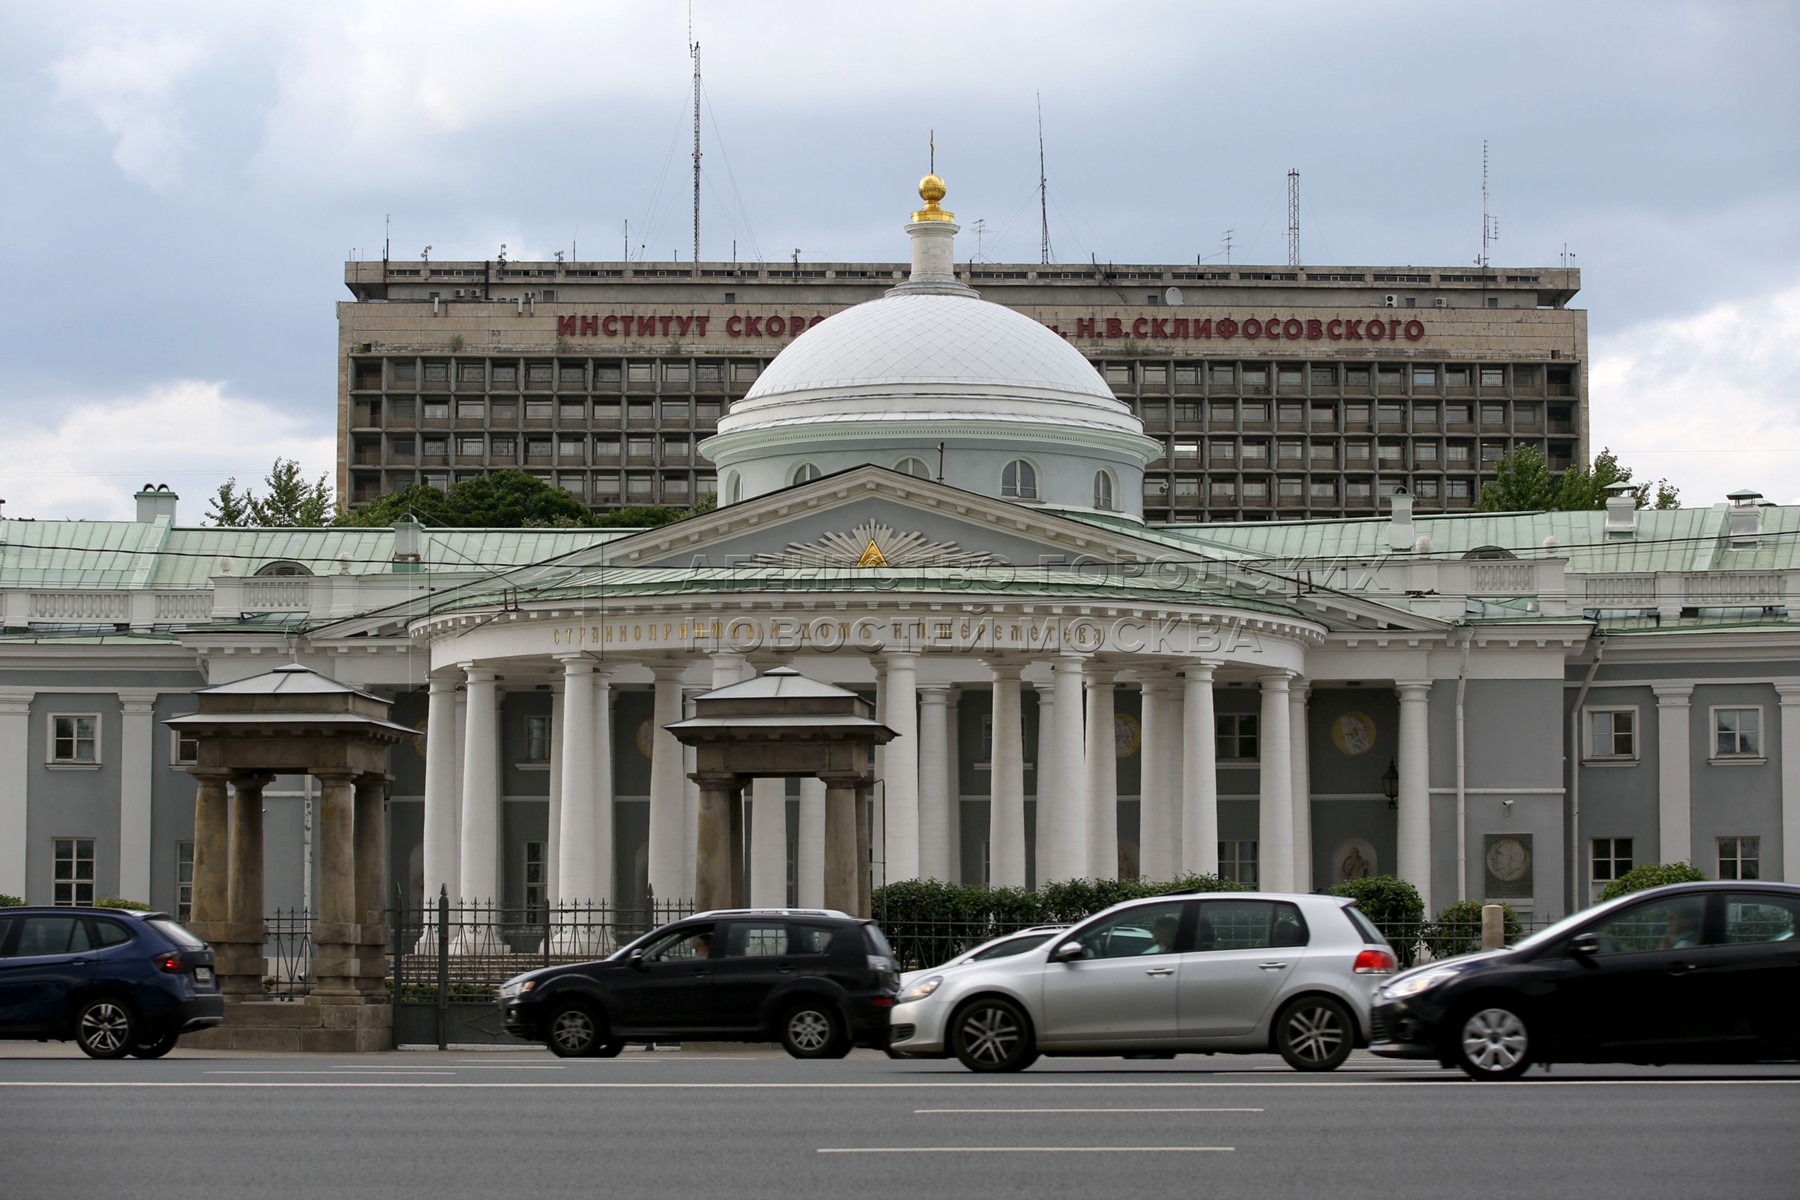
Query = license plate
x=203 y=974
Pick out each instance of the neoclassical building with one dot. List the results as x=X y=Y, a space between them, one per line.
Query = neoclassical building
x=935 y=502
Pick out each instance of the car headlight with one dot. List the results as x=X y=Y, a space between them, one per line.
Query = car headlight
x=921 y=989
x=516 y=987
x=1412 y=985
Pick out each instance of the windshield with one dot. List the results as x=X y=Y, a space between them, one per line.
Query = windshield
x=1012 y=946
x=1552 y=932
x=175 y=933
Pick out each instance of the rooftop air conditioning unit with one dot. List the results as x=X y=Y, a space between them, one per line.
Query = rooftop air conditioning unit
x=1390 y=300
x=459 y=293
x=1441 y=302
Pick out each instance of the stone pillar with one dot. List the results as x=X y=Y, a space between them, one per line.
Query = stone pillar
x=690 y=802
x=1275 y=789
x=1046 y=786
x=768 y=843
x=138 y=767
x=575 y=846
x=212 y=870
x=553 y=876
x=1156 y=848
x=600 y=745
x=900 y=792
x=667 y=840
x=953 y=764
x=842 y=891
x=1066 y=755
x=1175 y=766
x=240 y=947
x=15 y=775
x=1103 y=779
x=1006 y=782
x=440 y=840
x=369 y=821
x=1413 y=845
x=1674 y=773
x=809 y=846
x=1299 y=756
x=934 y=783
x=334 y=930
x=713 y=848
x=1790 y=780
x=480 y=850
x=1199 y=775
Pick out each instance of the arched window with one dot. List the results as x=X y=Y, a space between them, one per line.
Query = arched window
x=283 y=567
x=1105 y=494
x=913 y=466
x=804 y=472
x=1018 y=481
x=734 y=488
x=1489 y=552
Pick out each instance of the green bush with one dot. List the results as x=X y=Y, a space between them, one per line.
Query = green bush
x=1457 y=929
x=1651 y=875
x=121 y=902
x=1384 y=899
x=7 y=901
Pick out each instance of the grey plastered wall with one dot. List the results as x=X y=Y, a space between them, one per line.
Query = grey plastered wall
x=1736 y=798
x=1347 y=788
x=1616 y=799
x=171 y=801
x=73 y=801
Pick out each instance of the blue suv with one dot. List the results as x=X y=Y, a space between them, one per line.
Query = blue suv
x=117 y=982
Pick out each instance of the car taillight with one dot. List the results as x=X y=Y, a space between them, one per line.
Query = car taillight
x=171 y=963
x=1375 y=962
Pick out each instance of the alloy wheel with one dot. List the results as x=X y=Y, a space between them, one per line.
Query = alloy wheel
x=1315 y=1036
x=1495 y=1044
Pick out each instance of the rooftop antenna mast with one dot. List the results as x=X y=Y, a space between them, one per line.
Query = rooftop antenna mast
x=1228 y=234
x=1490 y=228
x=1043 y=190
x=1293 y=218
x=696 y=53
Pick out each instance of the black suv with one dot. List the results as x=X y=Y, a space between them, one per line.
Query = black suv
x=817 y=980
x=117 y=982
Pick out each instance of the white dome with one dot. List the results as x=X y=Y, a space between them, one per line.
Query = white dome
x=913 y=356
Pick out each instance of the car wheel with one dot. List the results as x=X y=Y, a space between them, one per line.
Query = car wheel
x=156 y=1047
x=609 y=1049
x=574 y=1031
x=813 y=1029
x=1493 y=1043
x=105 y=1028
x=993 y=1035
x=1314 y=1034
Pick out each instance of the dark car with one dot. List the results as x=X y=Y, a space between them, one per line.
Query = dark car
x=816 y=980
x=1692 y=972
x=117 y=982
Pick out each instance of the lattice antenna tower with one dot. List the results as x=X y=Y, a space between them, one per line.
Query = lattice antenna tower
x=1490 y=227
x=1293 y=218
x=695 y=50
x=1043 y=190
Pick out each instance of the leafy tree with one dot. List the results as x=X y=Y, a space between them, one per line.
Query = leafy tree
x=641 y=516
x=1649 y=875
x=430 y=505
x=1384 y=899
x=1523 y=482
x=1457 y=929
x=10 y=901
x=288 y=501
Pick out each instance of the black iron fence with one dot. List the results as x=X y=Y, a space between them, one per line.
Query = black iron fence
x=287 y=953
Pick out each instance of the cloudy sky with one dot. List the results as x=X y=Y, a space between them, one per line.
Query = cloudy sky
x=185 y=178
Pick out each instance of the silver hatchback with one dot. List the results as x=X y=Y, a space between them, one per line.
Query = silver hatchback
x=1243 y=972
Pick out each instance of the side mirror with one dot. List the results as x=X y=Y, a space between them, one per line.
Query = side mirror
x=1582 y=945
x=1067 y=952
x=636 y=959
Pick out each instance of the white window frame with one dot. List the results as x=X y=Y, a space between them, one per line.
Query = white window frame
x=1611 y=757
x=72 y=763
x=1106 y=491
x=1735 y=757
x=184 y=888
x=1612 y=859
x=176 y=737
x=1739 y=858
x=535 y=892
x=804 y=472
x=1236 y=736
x=1230 y=863
x=905 y=467
x=549 y=739
x=1016 y=490
x=75 y=885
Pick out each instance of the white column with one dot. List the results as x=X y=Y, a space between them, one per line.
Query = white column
x=690 y=801
x=1102 y=779
x=902 y=762
x=1299 y=750
x=668 y=836
x=440 y=845
x=1413 y=850
x=934 y=783
x=1199 y=775
x=768 y=842
x=1006 y=783
x=15 y=760
x=480 y=849
x=1156 y=850
x=600 y=733
x=553 y=861
x=1175 y=771
x=809 y=846
x=1790 y=779
x=1675 y=772
x=953 y=765
x=137 y=769
x=1067 y=757
x=1275 y=789
x=1046 y=785
x=575 y=848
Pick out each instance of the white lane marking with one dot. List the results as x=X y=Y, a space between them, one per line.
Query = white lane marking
x=988 y=1111
x=717 y=1087
x=384 y=1072
x=1026 y=1149
x=458 y=1067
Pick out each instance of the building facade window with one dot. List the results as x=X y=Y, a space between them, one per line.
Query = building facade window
x=72 y=872
x=1611 y=733
x=914 y=466
x=804 y=473
x=184 y=749
x=1237 y=860
x=1105 y=493
x=1235 y=737
x=537 y=882
x=184 y=882
x=1610 y=858
x=1740 y=858
x=1018 y=480
x=75 y=740
x=1737 y=732
x=537 y=739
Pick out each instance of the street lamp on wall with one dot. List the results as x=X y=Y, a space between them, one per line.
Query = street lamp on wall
x=1390 y=784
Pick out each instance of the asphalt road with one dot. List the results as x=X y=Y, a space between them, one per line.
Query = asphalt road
x=520 y=1123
